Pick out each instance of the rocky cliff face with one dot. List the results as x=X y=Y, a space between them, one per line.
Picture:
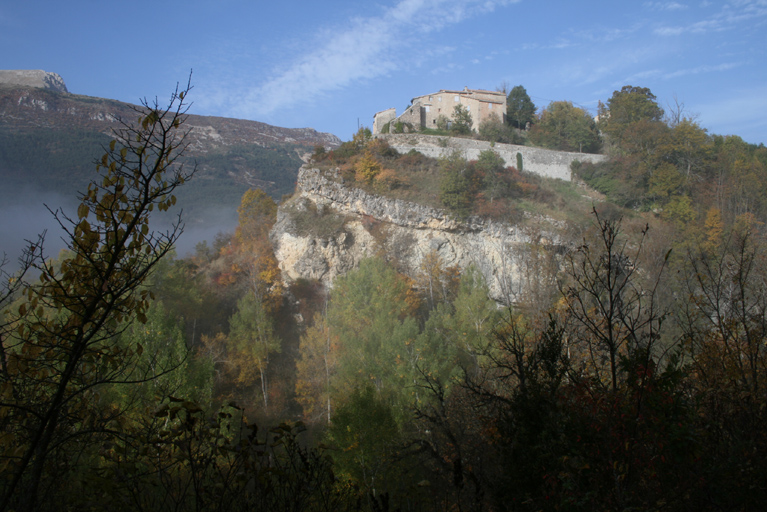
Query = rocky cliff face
x=327 y=228
x=33 y=78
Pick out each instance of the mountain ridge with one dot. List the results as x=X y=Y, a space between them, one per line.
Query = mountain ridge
x=24 y=105
x=50 y=139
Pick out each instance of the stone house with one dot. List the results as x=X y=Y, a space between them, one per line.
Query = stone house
x=424 y=111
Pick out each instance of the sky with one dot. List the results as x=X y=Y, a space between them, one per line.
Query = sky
x=332 y=64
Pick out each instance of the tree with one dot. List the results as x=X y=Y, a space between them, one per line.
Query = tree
x=462 y=122
x=255 y=268
x=455 y=184
x=367 y=168
x=370 y=315
x=475 y=313
x=520 y=109
x=172 y=368
x=688 y=146
x=252 y=336
x=315 y=369
x=257 y=214
x=436 y=283
x=627 y=106
x=493 y=129
x=724 y=326
x=613 y=315
x=364 y=432
x=666 y=181
x=491 y=166
x=64 y=347
x=442 y=122
x=362 y=137
x=563 y=126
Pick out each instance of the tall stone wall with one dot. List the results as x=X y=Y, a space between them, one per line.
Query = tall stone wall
x=544 y=162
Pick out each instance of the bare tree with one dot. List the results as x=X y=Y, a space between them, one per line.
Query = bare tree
x=613 y=312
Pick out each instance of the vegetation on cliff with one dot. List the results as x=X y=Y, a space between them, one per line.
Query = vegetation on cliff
x=485 y=187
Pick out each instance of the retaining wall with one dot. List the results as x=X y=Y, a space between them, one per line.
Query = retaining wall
x=544 y=162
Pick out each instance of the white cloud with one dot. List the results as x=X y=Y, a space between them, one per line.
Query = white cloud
x=702 y=69
x=364 y=49
x=669 y=31
x=665 y=6
x=638 y=77
x=732 y=14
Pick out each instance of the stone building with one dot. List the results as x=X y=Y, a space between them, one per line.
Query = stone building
x=424 y=111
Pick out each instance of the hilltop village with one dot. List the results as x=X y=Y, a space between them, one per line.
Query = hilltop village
x=428 y=110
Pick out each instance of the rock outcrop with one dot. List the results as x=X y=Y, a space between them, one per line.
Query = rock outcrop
x=326 y=228
x=33 y=78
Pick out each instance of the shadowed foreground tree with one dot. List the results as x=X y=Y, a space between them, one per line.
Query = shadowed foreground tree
x=63 y=348
x=615 y=315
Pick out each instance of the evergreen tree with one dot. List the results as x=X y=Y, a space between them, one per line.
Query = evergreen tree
x=520 y=109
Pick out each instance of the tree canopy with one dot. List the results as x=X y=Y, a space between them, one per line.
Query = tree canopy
x=462 y=121
x=564 y=126
x=629 y=105
x=520 y=109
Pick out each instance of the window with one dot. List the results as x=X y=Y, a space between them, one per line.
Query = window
x=427 y=108
x=439 y=98
x=490 y=106
x=457 y=98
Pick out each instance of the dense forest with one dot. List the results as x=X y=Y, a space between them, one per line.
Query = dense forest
x=631 y=378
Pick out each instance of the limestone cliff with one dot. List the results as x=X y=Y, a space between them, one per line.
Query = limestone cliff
x=326 y=228
x=33 y=78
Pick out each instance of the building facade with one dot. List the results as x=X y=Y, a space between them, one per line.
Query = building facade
x=425 y=111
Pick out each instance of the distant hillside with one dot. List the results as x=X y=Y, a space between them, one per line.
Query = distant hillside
x=50 y=139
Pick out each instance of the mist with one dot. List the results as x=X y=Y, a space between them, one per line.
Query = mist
x=28 y=214
x=24 y=216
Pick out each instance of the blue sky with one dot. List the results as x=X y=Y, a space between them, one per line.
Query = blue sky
x=332 y=64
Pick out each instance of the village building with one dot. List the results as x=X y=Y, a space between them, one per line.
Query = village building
x=425 y=111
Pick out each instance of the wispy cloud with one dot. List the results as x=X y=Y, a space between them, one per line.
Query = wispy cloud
x=731 y=14
x=640 y=76
x=663 y=75
x=365 y=48
x=664 y=6
x=702 y=69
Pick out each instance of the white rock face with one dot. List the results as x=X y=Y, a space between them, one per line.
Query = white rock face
x=326 y=229
x=33 y=78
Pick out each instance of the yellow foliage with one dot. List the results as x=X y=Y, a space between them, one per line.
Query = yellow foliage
x=388 y=179
x=367 y=167
x=714 y=227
